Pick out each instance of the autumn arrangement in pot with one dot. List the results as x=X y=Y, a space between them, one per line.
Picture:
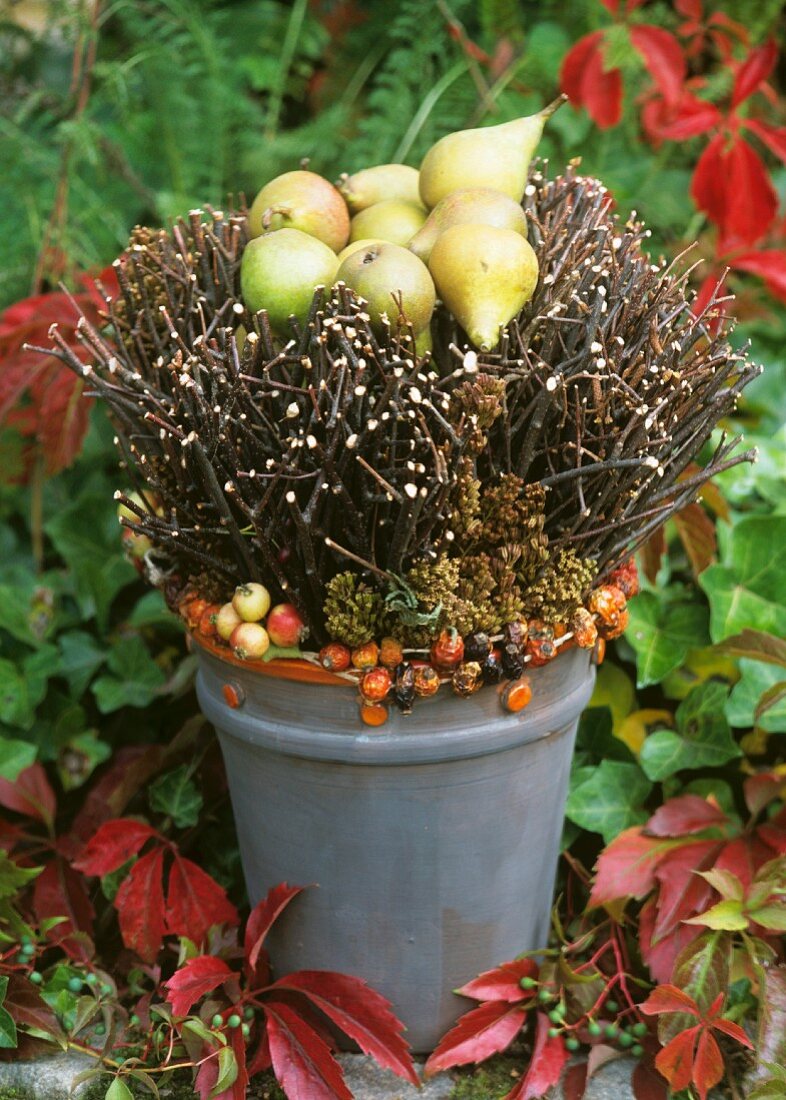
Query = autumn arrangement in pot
x=409 y=428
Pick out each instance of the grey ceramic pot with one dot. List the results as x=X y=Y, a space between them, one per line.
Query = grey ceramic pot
x=433 y=841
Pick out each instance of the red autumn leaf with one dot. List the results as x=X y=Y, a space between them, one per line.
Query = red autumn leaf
x=689 y=813
x=669 y=998
x=361 y=1013
x=675 y=1061
x=687 y=118
x=260 y=1059
x=734 y=1031
x=60 y=892
x=28 y=1008
x=682 y=892
x=769 y=264
x=260 y=921
x=239 y=1089
x=140 y=905
x=584 y=81
x=774 y=137
x=626 y=867
x=707 y=187
x=546 y=1065
x=195 y=901
x=113 y=845
x=302 y=1062
x=708 y=1064
x=663 y=57
x=130 y=769
x=743 y=856
x=760 y=790
x=697 y=535
x=30 y=794
x=660 y=955
x=754 y=70
x=575 y=1082
x=751 y=200
x=710 y=290
x=193 y=980
x=651 y=554
x=206 y=1075
x=611 y=5
x=502 y=983
x=481 y=1032
x=646 y=1082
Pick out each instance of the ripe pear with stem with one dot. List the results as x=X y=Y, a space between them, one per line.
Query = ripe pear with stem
x=392 y=220
x=484 y=275
x=395 y=284
x=492 y=156
x=301 y=200
x=353 y=246
x=378 y=184
x=473 y=206
x=279 y=272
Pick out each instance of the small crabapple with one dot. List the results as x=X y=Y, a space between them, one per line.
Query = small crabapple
x=226 y=621
x=249 y=641
x=285 y=626
x=251 y=601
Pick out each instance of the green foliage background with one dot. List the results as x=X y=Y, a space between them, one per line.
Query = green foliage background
x=192 y=100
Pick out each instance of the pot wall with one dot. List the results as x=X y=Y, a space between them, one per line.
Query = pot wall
x=433 y=840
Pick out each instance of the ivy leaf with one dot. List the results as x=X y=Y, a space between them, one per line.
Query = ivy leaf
x=747 y=589
x=610 y=800
x=8 y=1038
x=118 y=1090
x=13 y=877
x=135 y=678
x=81 y=656
x=15 y=756
x=662 y=632
x=757 y=680
x=702 y=739
x=175 y=794
x=92 y=551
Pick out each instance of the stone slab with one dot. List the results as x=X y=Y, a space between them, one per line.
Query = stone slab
x=51 y=1079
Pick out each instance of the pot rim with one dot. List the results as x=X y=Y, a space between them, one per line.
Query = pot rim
x=271 y=717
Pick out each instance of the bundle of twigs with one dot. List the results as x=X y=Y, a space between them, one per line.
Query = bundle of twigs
x=340 y=449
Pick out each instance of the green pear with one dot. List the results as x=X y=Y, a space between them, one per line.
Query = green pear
x=385 y=274
x=279 y=272
x=383 y=181
x=301 y=200
x=484 y=275
x=353 y=246
x=392 y=220
x=494 y=156
x=474 y=206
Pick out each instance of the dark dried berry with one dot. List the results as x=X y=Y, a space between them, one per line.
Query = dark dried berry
x=512 y=660
x=493 y=672
x=515 y=632
x=467 y=678
x=404 y=688
x=477 y=646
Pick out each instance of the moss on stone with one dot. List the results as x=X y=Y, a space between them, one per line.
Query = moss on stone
x=491 y=1081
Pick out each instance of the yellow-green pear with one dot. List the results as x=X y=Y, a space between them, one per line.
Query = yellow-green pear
x=484 y=275
x=353 y=246
x=493 y=156
x=393 y=282
x=383 y=181
x=301 y=200
x=392 y=220
x=279 y=271
x=473 y=206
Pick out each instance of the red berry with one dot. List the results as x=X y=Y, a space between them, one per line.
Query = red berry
x=335 y=657
x=447 y=650
x=626 y=578
x=365 y=656
x=390 y=653
x=376 y=684
x=207 y=620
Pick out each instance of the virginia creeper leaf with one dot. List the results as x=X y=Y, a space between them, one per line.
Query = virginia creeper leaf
x=193 y=980
x=481 y=1032
x=302 y=1062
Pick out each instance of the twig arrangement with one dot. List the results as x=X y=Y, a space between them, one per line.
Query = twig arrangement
x=538 y=467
